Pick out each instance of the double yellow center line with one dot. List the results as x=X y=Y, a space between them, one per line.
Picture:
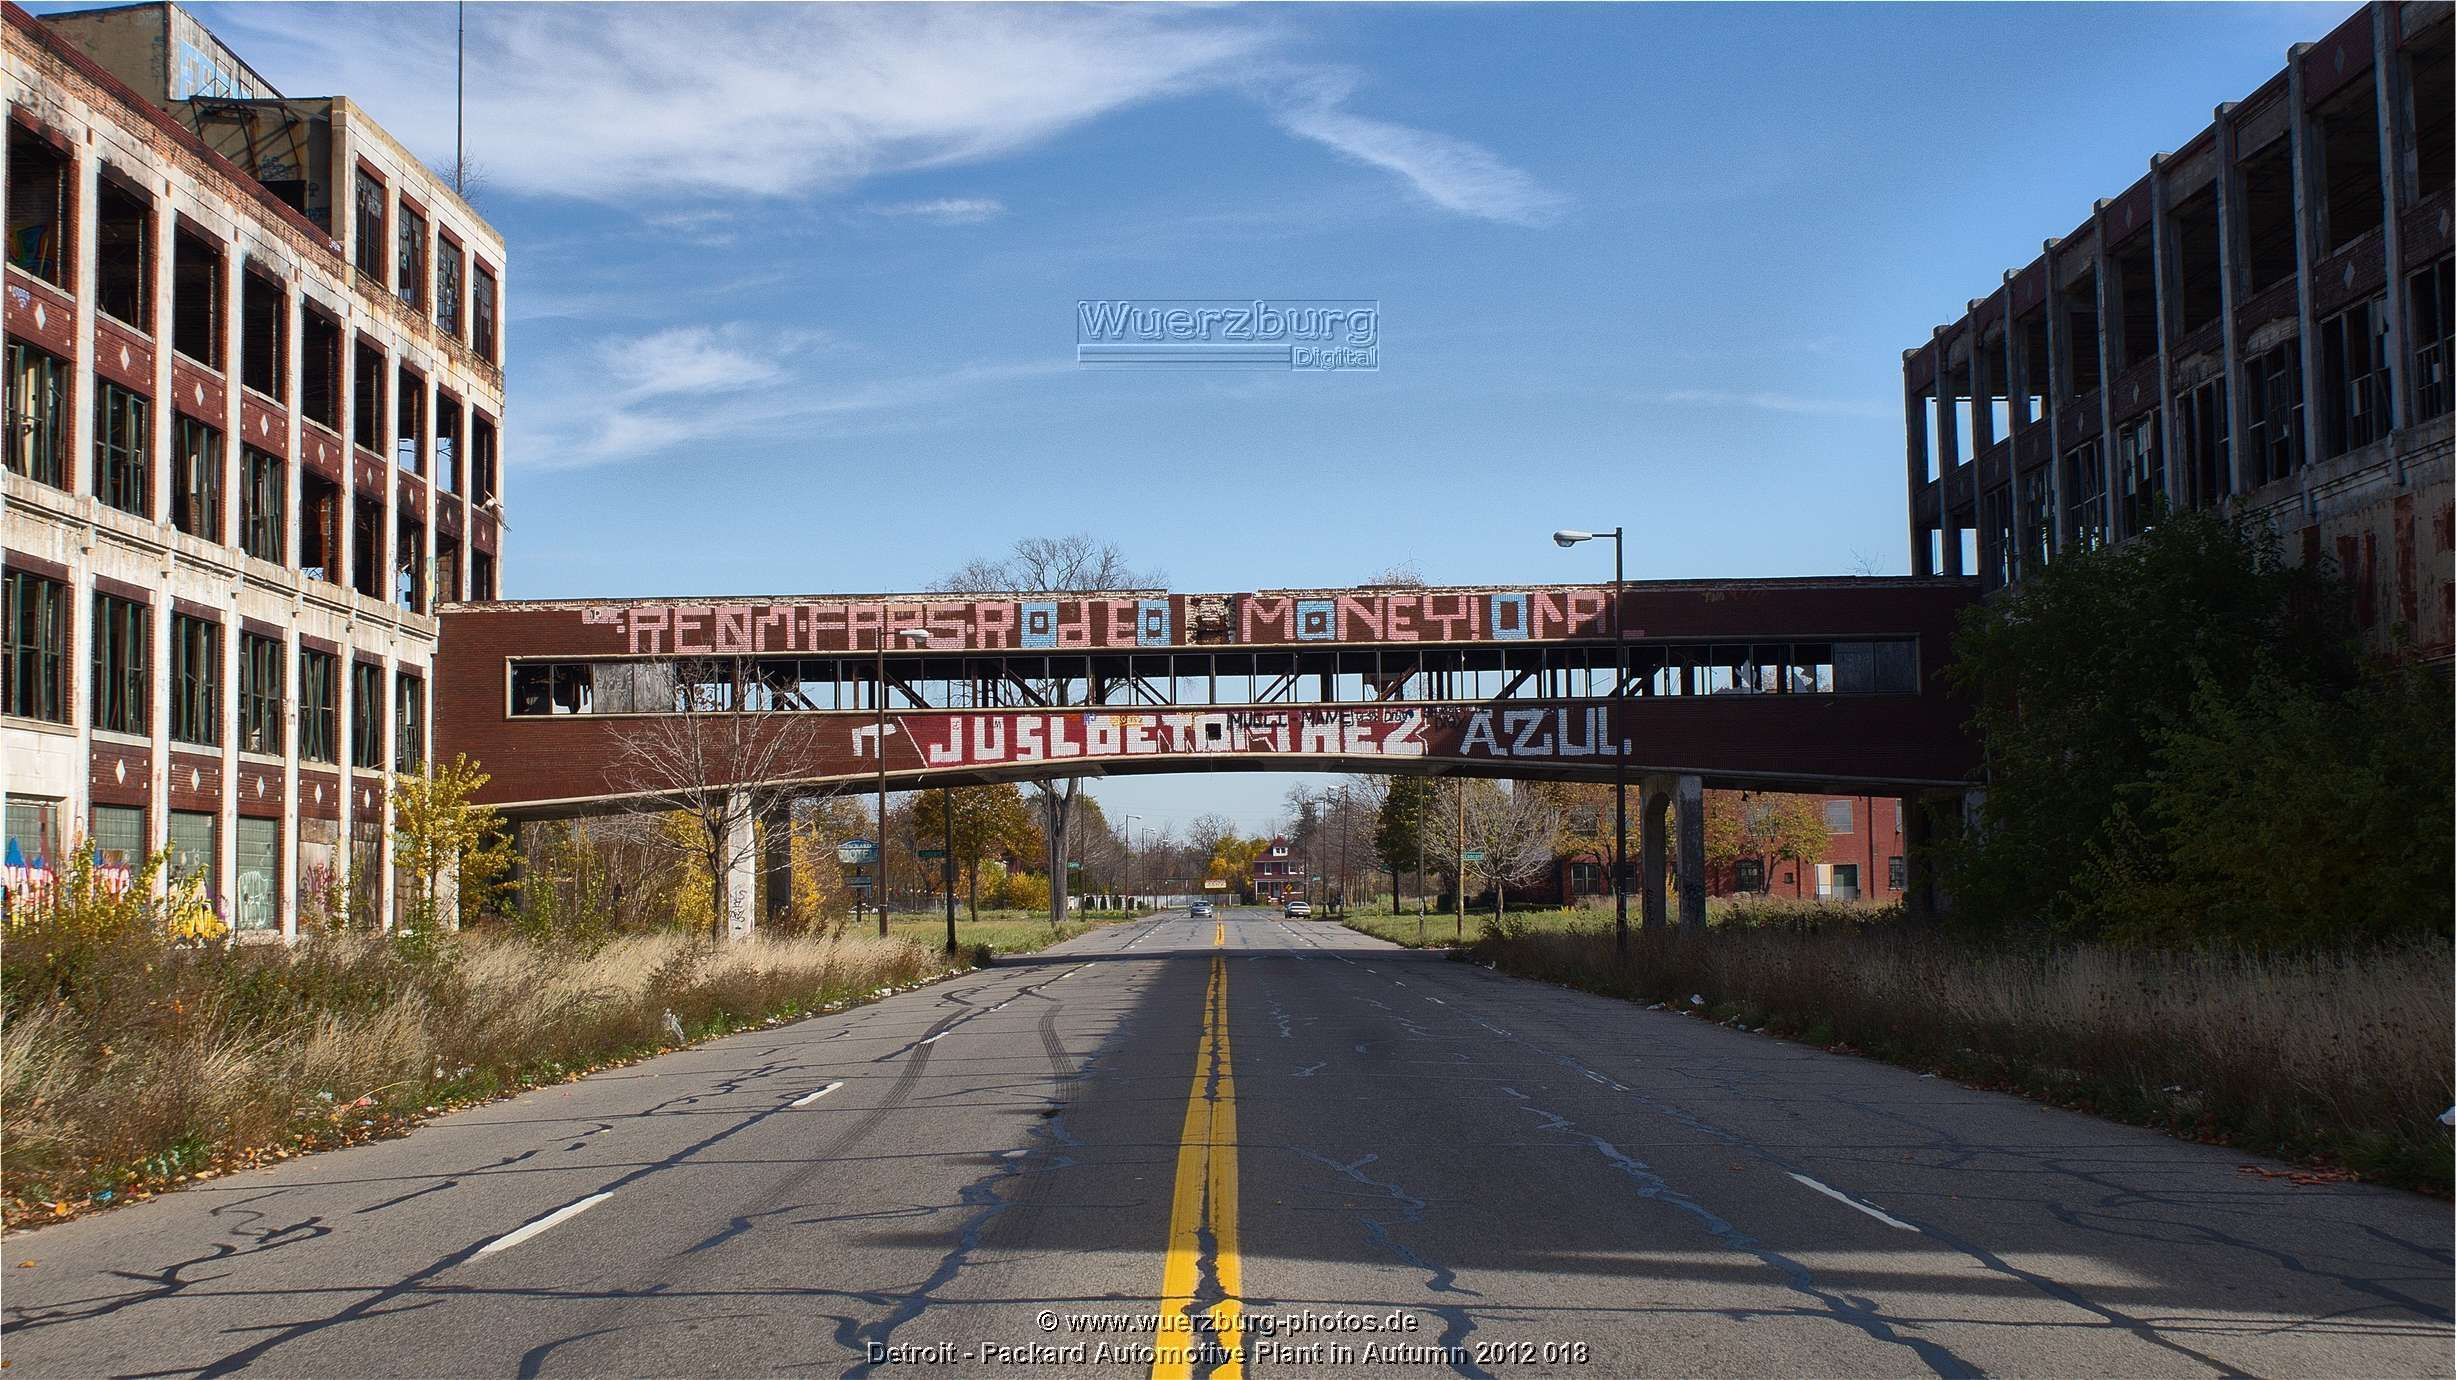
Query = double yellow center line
x=1202 y=1215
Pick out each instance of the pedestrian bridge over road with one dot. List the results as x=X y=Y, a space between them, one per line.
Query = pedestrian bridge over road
x=1804 y=684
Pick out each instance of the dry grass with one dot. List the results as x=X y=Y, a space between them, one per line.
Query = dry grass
x=127 y=1064
x=2342 y=1058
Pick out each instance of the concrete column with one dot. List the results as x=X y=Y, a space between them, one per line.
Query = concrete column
x=1654 y=797
x=1918 y=837
x=1692 y=799
x=776 y=858
x=741 y=879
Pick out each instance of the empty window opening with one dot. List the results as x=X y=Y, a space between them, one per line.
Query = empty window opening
x=2081 y=335
x=1965 y=419
x=38 y=206
x=409 y=445
x=2035 y=366
x=319 y=369
x=2431 y=87
x=447 y=569
x=2200 y=431
x=1931 y=435
x=2196 y=271
x=263 y=501
x=123 y=445
x=196 y=298
x=2354 y=377
x=2084 y=489
x=482 y=314
x=37 y=415
x=264 y=333
x=368 y=543
x=2272 y=426
x=2268 y=215
x=2348 y=145
x=482 y=475
x=2038 y=516
x=2136 y=294
x=409 y=564
x=409 y=272
x=1996 y=369
x=367 y=398
x=481 y=574
x=2140 y=476
x=2432 y=318
x=196 y=479
x=123 y=254
x=319 y=527
x=448 y=271
x=368 y=227
x=1966 y=546
x=2000 y=542
x=447 y=443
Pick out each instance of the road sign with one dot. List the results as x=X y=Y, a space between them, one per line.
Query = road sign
x=1473 y=855
x=1214 y=884
x=1074 y=867
x=856 y=852
x=858 y=883
x=928 y=853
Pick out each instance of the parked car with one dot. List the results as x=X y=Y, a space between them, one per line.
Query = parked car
x=1200 y=910
x=1297 y=910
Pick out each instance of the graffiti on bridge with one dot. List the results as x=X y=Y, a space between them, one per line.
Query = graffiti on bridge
x=1531 y=733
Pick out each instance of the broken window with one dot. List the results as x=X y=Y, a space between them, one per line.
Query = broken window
x=447 y=568
x=2268 y=214
x=552 y=688
x=37 y=414
x=263 y=500
x=448 y=286
x=196 y=479
x=481 y=574
x=408 y=722
x=368 y=542
x=264 y=333
x=123 y=443
x=367 y=398
x=33 y=646
x=409 y=445
x=2038 y=513
x=368 y=231
x=2432 y=318
x=319 y=701
x=319 y=369
x=2431 y=86
x=2348 y=144
x=482 y=458
x=123 y=253
x=2272 y=429
x=260 y=687
x=409 y=272
x=38 y=206
x=2140 y=475
x=196 y=297
x=319 y=527
x=2001 y=546
x=409 y=564
x=482 y=314
x=196 y=681
x=2136 y=302
x=2032 y=398
x=2197 y=278
x=447 y=443
x=2200 y=432
x=2080 y=301
x=2354 y=377
x=1995 y=384
x=366 y=715
x=2085 y=496
x=123 y=656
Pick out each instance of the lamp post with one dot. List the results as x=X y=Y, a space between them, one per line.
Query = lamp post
x=879 y=876
x=946 y=861
x=1568 y=537
x=1130 y=864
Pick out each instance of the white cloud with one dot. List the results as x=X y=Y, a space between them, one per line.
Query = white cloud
x=1451 y=173
x=951 y=210
x=1784 y=402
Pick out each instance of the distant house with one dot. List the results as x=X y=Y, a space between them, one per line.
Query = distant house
x=1863 y=861
x=1277 y=875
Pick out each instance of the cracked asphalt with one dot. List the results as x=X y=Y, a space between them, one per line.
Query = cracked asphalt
x=1531 y=1181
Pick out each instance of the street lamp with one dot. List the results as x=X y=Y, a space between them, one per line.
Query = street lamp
x=1565 y=538
x=910 y=636
x=1130 y=864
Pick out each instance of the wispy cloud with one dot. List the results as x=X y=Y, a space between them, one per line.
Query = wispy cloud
x=1450 y=173
x=1789 y=403
x=950 y=210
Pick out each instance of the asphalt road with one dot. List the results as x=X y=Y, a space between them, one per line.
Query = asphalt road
x=1285 y=1132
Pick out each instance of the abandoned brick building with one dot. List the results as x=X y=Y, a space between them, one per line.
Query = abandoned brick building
x=254 y=392
x=2261 y=325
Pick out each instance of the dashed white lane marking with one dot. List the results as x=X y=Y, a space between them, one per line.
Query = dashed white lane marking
x=1436 y=1001
x=1848 y=1201
x=932 y=1039
x=807 y=1098
x=551 y=1220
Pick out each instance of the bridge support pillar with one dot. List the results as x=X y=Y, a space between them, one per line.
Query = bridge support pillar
x=740 y=884
x=1692 y=793
x=1653 y=844
x=776 y=859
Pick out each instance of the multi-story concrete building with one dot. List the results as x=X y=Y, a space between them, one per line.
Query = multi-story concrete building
x=2261 y=325
x=254 y=396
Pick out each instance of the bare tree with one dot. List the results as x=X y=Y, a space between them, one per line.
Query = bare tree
x=713 y=765
x=1515 y=827
x=1404 y=574
x=1078 y=563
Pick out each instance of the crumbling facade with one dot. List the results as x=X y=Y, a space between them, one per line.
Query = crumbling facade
x=2262 y=325
x=255 y=398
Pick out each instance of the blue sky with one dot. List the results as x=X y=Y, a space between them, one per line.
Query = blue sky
x=792 y=288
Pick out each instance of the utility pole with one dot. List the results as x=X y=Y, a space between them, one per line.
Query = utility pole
x=1461 y=787
x=1341 y=909
x=878 y=871
x=946 y=863
x=1129 y=868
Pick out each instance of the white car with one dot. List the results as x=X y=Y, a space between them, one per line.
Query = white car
x=1297 y=910
x=1200 y=910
